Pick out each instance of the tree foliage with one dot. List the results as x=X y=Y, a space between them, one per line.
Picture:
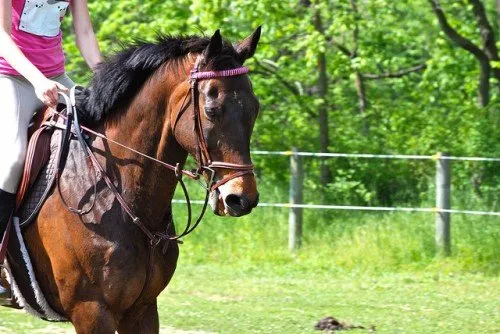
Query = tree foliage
x=392 y=81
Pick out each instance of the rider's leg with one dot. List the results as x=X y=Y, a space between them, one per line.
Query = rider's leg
x=18 y=104
x=7 y=201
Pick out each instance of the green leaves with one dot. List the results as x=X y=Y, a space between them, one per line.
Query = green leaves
x=418 y=113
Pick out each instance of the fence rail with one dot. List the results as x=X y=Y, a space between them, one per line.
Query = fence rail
x=442 y=210
x=436 y=156
x=358 y=208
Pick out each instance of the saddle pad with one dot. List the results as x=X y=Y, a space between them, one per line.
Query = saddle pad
x=37 y=154
x=42 y=186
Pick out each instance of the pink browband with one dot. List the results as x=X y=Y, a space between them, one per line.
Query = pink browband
x=218 y=74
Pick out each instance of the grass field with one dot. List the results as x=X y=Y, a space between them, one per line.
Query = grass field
x=237 y=276
x=256 y=300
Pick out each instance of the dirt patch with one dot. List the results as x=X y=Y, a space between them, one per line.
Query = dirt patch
x=171 y=330
x=330 y=324
x=217 y=298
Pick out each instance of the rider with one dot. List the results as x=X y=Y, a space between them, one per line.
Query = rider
x=31 y=74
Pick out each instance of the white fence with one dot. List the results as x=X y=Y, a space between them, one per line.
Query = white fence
x=442 y=210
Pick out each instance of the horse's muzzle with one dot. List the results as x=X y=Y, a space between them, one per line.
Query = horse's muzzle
x=224 y=201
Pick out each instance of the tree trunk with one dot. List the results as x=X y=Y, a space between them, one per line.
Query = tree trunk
x=498 y=16
x=323 y=109
x=484 y=84
x=487 y=34
x=323 y=117
x=469 y=46
x=360 y=88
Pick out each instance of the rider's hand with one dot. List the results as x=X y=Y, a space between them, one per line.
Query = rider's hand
x=47 y=91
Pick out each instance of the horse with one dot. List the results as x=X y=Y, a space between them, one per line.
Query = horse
x=149 y=106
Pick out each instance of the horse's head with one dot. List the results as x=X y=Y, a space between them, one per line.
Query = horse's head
x=214 y=123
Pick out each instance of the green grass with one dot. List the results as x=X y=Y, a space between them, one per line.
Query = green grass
x=259 y=301
x=228 y=299
x=237 y=276
x=361 y=242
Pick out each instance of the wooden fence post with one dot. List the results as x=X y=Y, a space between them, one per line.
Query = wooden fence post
x=295 y=215
x=443 y=190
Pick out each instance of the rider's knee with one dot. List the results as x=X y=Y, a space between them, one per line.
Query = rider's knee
x=16 y=156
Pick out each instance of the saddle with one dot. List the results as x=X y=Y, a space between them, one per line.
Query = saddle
x=48 y=154
x=49 y=138
x=38 y=153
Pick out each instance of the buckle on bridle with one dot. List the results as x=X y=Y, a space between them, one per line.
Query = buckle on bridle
x=155 y=242
x=178 y=171
x=211 y=177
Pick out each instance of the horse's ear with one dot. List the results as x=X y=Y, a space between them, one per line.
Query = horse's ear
x=214 y=47
x=246 y=48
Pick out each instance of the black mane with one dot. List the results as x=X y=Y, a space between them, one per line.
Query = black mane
x=119 y=78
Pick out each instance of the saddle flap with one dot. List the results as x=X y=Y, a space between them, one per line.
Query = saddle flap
x=37 y=154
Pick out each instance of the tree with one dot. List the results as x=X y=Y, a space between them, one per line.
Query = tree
x=371 y=76
x=486 y=56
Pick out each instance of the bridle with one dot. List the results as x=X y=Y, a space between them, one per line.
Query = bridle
x=205 y=164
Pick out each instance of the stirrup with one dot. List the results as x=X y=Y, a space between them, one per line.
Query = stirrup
x=4 y=294
x=6 y=297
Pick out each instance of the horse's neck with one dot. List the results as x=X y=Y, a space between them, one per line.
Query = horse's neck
x=146 y=185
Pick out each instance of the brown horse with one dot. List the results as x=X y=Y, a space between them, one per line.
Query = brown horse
x=93 y=268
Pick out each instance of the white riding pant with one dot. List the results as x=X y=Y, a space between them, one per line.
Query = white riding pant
x=18 y=103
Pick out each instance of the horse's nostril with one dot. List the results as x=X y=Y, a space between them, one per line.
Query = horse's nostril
x=239 y=205
x=235 y=202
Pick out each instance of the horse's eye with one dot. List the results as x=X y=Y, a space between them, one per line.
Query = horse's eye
x=212 y=112
x=213 y=93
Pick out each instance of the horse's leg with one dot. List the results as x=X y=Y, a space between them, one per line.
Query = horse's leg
x=91 y=317
x=144 y=320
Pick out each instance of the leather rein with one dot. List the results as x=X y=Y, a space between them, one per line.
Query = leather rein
x=205 y=164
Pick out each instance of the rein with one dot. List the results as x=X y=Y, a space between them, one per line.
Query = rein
x=205 y=163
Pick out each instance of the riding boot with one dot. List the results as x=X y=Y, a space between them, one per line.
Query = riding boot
x=7 y=204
